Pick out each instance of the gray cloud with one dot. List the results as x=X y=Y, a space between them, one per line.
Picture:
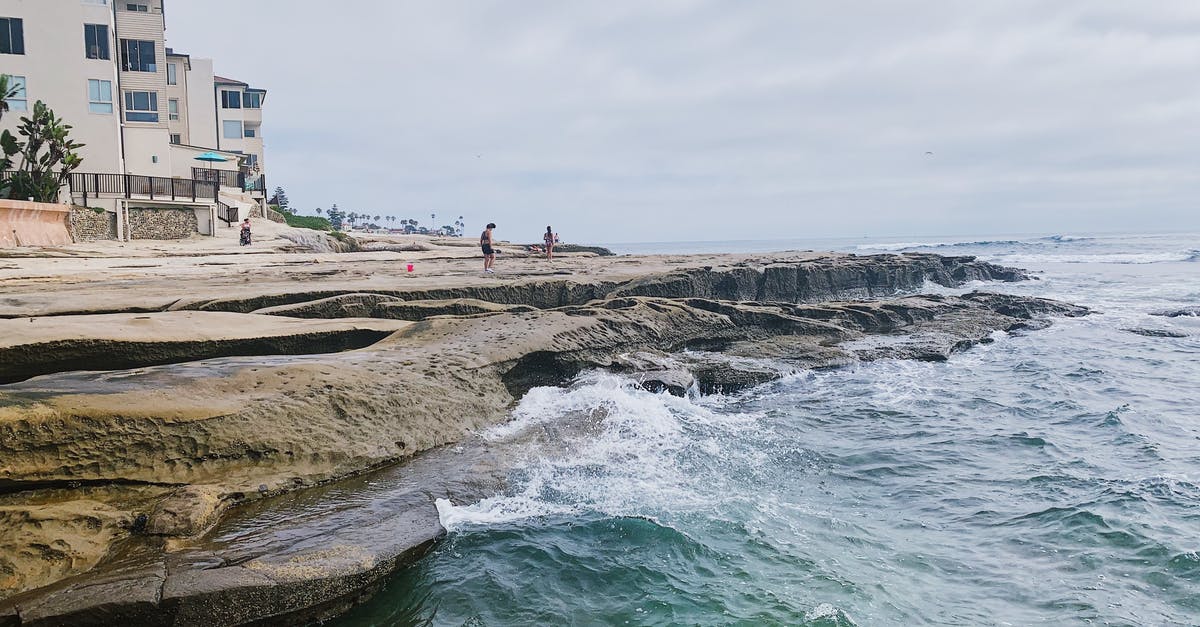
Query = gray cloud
x=717 y=120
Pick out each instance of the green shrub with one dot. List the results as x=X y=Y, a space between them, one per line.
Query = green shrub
x=315 y=223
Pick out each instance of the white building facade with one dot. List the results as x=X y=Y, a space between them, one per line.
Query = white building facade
x=145 y=112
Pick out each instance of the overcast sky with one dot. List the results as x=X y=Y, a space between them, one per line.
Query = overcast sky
x=692 y=120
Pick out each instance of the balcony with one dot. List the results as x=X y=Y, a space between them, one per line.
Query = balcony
x=239 y=179
x=91 y=185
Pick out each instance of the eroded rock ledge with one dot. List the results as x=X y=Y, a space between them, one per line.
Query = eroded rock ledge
x=154 y=457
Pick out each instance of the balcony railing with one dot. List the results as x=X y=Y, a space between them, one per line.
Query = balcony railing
x=224 y=178
x=137 y=186
x=238 y=179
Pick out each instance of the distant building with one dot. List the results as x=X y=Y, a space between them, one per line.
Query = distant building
x=144 y=111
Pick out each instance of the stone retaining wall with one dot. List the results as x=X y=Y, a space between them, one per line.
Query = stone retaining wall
x=275 y=216
x=147 y=223
x=88 y=225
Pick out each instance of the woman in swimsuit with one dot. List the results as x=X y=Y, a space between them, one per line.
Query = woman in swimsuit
x=485 y=242
x=550 y=238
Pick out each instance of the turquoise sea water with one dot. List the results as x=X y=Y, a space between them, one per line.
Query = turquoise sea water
x=1050 y=477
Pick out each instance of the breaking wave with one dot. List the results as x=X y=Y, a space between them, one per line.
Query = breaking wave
x=1053 y=249
x=604 y=446
x=905 y=246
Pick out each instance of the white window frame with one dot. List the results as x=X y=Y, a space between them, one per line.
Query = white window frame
x=20 y=100
x=154 y=106
x=99 y=102
x=225 y=129
x=172 y=75
x=176 y=138
x=172 y=108
x=107 y=42
x=234 y=103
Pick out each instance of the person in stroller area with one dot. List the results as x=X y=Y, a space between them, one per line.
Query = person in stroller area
x=245 y=241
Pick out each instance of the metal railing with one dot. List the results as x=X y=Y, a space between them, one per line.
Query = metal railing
x=224 y=178
x=239 y=179
x=94 y=185
x=226 y=214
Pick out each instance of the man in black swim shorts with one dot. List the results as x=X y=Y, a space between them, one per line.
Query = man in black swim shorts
x=489 y=254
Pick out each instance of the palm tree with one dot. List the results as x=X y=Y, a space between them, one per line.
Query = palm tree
x=353 y=217
x=319 y=210
x=376 y=218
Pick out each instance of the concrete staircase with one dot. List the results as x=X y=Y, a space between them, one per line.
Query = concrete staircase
x=245 y=204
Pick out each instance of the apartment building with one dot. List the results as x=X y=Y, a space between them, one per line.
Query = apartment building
x=239 y=114
x=144 y=111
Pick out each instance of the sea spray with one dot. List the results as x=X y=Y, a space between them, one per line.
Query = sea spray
x=601 y=445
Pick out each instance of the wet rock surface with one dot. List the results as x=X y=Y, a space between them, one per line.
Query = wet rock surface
x=1191 y=312
x=1157 y=332
x=248 y=502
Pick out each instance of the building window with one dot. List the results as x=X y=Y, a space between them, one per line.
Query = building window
x=138 y=8
x=141 y=106
x=137 y=55
x=173 y=109
x=232 y=128
x=231 y=99
x=252 y=100
x=172 y=78
x=251 y=131
x=19 y=101
x=95 y=41
x=12 y=35
x=100 y=96
x=175 y=138
x=251 y=161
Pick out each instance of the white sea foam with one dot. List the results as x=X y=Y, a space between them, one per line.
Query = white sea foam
x=1114 y=258
x=827 y=612
x=899 y=246
x=1068 y=238
x=602 y=445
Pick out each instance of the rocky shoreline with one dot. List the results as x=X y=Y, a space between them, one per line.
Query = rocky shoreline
x=117 y=484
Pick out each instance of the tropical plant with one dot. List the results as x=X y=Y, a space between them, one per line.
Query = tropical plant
x=319 y=210
x=47 y=147
x=8 y=89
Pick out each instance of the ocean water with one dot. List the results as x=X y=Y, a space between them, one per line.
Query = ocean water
x=1050 y=477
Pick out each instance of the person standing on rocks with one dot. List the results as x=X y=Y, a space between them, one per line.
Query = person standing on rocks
x=550 y=239
x=489 y=253
x=245 y=239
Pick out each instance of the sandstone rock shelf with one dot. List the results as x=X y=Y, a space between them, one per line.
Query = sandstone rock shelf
x=162 y=454
x=34 y=346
